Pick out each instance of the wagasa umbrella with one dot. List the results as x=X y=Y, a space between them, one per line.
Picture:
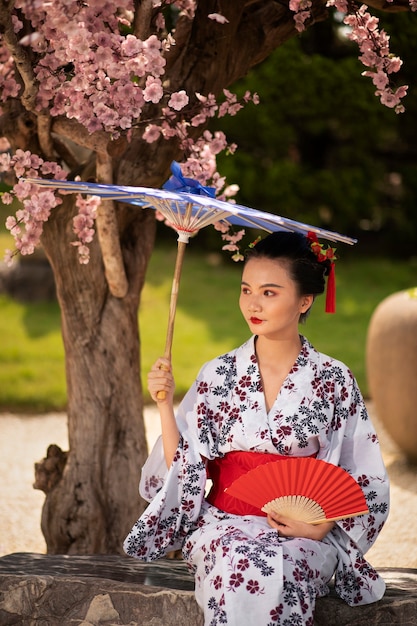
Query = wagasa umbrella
x=187 y=207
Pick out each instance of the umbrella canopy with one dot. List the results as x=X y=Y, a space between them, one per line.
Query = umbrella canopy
x=188 y=206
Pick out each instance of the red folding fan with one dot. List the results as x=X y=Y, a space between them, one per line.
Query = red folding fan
x=305 y=489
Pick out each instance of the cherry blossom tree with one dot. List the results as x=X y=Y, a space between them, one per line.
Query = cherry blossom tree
x=113 y=92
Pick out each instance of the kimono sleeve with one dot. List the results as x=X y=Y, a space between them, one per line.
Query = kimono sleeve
x=175 y=495
x=154 y=471
x=354 y=446
x=174 y=509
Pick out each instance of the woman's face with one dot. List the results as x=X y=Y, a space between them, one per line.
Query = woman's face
x=269 y=298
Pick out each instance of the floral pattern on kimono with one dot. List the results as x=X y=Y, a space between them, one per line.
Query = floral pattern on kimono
x=238 y=559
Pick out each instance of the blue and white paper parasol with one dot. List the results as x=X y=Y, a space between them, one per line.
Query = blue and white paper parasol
x=188 y=206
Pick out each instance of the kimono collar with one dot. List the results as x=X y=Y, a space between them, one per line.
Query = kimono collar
x=307 y=351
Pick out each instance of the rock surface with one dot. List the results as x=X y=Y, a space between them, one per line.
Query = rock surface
x=52 y=590
x=29 y=280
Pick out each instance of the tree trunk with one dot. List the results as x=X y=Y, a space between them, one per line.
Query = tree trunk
x=92 y=507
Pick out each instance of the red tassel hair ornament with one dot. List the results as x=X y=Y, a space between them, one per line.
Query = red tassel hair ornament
x=326 y=254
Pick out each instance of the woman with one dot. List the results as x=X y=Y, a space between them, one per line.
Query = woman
x=273 y=396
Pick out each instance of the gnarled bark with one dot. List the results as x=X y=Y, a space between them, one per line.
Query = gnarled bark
x=96 y=500
x=108 y=233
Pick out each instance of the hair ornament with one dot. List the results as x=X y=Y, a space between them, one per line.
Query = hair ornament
x=253 y=244
x=325 y=254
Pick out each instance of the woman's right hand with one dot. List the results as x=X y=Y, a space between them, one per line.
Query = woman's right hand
x=161 y=386
x=160 y=379
x=288 y=527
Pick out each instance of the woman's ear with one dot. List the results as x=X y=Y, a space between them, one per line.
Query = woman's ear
x=306 y=302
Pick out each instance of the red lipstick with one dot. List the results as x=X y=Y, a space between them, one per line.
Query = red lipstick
x=255 y=320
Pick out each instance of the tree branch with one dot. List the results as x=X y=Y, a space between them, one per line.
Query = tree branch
x=65 y=153
x=44 y=136
x=208 y=59
x=20 y=56
x=100 y=141
x=108 y=233
x=204 y=58
x=143 y=17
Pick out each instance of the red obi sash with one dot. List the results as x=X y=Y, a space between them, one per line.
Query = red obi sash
x=223 y=471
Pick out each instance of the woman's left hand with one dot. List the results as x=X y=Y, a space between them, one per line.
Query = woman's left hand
x=288 y=527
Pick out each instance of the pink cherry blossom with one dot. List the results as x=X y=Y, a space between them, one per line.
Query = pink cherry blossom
x=373 y=43
x=27 y=226
x=8 y=257
x=152 y=133
x=99 y=73
x=301 y=9
x=218 y=17
x=379 y=79
x=17 y=24
x=199 y=119
x=152 y=44
x=229 y=247
x=153 y=90
x=393 y=64
x=83 y=225
x=178 y=100
x=5 y=160
x=375 y=53
x=160 y=21
x=217 y=142
x=223 y=227
x=300 y=18
x=131 y=46
x=231 y=190
x=12 y=225
x=83 y=252
x=9 y=88
x=7 y=198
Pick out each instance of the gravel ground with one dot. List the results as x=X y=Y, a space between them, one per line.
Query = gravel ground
x=24 y=440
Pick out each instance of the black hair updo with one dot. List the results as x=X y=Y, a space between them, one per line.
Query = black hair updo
x=303 y=265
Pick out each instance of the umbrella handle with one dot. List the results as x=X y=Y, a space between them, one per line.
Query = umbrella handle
x=181 y=246
x=161 y=395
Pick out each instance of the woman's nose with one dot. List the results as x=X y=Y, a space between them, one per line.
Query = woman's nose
x=254 y=304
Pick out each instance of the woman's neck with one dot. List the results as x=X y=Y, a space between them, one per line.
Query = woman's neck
x=276 y=352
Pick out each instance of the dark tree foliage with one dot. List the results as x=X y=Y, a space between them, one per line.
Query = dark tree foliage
x=322 y=148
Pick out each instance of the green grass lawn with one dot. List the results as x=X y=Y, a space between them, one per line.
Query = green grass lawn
x=208 y=322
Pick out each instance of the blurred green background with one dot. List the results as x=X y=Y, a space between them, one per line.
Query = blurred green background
x=208 y=322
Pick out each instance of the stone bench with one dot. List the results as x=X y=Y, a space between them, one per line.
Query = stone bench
x=52 y=590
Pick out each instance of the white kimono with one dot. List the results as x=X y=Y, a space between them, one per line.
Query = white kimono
x=244 y=572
